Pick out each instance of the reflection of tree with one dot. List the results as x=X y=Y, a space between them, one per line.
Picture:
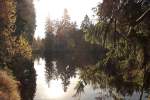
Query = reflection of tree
x=79 y=88
x=25 y=74
x=67 y=63
x=109 y=93
x=49 y=70
x=63 y=69
x=124 y=82
x=65 y=81
x=29 y=84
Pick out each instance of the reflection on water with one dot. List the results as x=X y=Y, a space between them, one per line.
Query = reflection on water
x=26 y=75
x=73 y=77
x=53 y=89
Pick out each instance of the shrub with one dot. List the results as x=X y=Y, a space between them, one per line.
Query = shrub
x=8 y=87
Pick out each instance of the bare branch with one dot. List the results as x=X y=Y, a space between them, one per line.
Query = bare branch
x=142 y=16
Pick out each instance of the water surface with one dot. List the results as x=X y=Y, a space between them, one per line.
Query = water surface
x=57 y=78
x=53 y=90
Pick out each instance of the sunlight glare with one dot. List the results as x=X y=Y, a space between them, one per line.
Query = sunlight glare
x=77 y=9
x=55 y=89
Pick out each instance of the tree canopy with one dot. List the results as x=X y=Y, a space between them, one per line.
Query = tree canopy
x=25 y=19
x=123 y=29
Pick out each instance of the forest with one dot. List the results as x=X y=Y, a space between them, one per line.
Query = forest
x=111 y=53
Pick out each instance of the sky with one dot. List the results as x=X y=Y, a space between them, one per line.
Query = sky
x=54 y=9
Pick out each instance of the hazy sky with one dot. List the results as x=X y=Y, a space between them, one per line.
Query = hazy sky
x=77 y=9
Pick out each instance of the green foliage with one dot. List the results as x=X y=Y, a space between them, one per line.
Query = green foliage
x=25 y=19
x=48 y=42
x=80 y=88
x=85 y=23
x=23 y=48
x=10 y=47
x=59 y=34
x=64 y=36
x=123 y=29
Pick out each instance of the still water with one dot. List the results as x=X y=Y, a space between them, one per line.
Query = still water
x=53 y=90
x=56 y=81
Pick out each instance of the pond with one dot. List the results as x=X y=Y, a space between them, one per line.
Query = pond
x=53 y=89
x=57 y=79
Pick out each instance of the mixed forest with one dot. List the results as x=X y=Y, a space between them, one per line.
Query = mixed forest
x=17 y=25
x=118 y=42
